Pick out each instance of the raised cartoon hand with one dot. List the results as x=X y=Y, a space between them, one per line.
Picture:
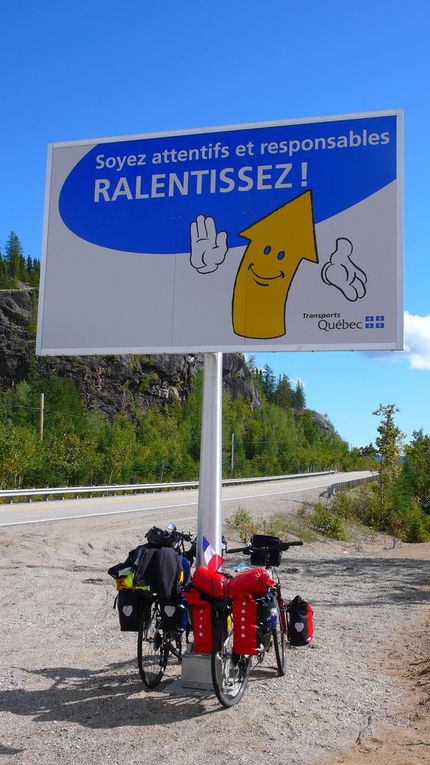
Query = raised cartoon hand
x=208 y=249
x=341 y=272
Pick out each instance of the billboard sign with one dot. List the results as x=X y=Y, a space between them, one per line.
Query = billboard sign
x=274 y=236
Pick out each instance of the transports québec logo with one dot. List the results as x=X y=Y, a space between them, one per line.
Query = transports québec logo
x=327 y=322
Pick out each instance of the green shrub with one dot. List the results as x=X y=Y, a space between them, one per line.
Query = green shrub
x=417 y=525
x=243 y=524
x=327 y=522
x=360 y=504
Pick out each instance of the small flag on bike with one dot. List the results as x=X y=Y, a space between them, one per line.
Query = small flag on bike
x=212 y=559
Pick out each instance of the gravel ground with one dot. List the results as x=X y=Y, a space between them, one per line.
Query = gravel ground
x=70 y=691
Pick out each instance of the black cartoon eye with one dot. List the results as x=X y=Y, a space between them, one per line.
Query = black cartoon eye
x=281 y=255
x=267 y=249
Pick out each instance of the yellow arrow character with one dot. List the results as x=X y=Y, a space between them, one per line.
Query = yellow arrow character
x=278 y=243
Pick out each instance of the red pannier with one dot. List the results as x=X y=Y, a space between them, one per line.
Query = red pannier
x=245 y=625
x=244 y=590
x=201 y=617
x=254 y=581
x=212 y=585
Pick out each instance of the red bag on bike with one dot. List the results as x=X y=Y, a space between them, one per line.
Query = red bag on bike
x=210 y=583
x=245 y=625
x=256 y=581
x=201 y=618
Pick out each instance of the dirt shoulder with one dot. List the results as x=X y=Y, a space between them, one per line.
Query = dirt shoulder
x=402 y=739
x=70 y=690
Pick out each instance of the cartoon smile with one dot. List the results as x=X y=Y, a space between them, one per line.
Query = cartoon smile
x=256 y=276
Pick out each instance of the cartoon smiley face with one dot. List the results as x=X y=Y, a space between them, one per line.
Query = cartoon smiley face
x=277 y=244
x=266 y=265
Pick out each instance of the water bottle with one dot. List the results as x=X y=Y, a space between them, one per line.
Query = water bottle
x=273 y=619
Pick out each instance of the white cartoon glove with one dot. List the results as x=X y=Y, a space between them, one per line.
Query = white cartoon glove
x=341 y=272
x=208 y=249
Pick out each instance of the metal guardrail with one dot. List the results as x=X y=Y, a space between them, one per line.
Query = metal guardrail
x=342 y=485
x=139 y=487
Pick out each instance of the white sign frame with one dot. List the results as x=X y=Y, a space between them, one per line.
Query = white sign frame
x=59 y=308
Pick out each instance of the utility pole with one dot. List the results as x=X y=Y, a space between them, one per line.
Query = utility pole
x=42 y=415
x=232 y=454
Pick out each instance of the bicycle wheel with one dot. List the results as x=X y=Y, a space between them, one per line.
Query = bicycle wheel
x=279 y=640
x=230 y=671
x=152 y=649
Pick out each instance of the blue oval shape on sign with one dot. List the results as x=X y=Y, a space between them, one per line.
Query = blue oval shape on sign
x=141 y=195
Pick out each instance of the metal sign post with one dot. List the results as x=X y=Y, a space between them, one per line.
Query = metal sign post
x=196 y=667
x=209 y=522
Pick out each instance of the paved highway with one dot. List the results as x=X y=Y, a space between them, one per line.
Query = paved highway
x=179 y=506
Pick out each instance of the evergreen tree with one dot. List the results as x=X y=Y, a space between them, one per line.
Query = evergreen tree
x=3 y=273
x=284 y=394
x=35 y=275
x=269 y=383
x=299 y=400
x=13 y=255
x=22 y=274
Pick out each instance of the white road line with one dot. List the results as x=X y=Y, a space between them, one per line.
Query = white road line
x=158 y=507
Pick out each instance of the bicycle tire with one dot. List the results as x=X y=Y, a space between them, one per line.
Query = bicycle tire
x=280 y=642
x=230 y=671
x=152 y=648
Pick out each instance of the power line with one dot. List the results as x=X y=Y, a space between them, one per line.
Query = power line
x=13 y=404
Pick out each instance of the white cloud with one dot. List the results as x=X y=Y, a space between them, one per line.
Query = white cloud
x=295 y=380
x=417 y=340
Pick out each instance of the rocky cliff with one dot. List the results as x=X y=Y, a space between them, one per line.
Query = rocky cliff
x=112 y=383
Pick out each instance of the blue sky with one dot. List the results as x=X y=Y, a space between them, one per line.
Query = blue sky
x=91 y=69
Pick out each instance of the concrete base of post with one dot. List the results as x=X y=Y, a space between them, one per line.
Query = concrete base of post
x=196 y=671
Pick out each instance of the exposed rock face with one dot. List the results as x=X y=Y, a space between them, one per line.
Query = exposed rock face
x=322 y=422
x=16 y=345
x=111 y=383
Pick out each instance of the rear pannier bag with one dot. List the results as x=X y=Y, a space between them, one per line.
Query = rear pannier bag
x=245 y=625
x=130 y=605
x=252 y=620
x=299 y=622
x=201 y=619
x=173 y=616
x=264 y=557
x=266 y=620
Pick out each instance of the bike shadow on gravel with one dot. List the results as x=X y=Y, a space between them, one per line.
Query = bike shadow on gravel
x=110 y=697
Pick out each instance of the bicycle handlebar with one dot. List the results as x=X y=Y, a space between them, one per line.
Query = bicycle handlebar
x=280 y=546
x=184 y=537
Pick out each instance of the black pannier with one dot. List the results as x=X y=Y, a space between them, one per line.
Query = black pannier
x=173 y=616
x=264 y=619
x=264 y=557
x=300 y=624
x=130 y=604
